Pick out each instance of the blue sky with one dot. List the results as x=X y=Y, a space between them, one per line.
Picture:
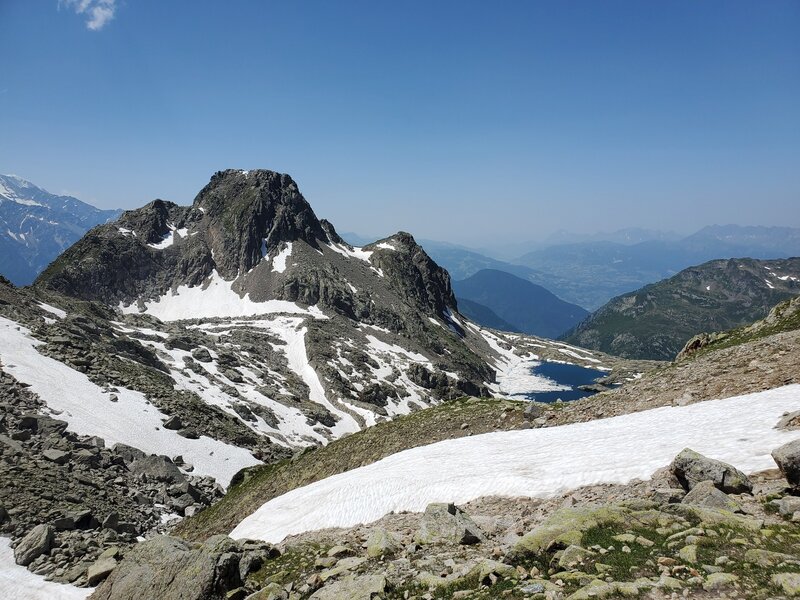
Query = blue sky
x=470 y=122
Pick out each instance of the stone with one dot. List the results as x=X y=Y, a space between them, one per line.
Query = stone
x=38 y=541
x=787 y=458
x=688 y=553
x=57 y=456
x=690 y=468
x=573 y=556
x=706 y=494
x=789 y=505
x=272 y=591
x=717 y=581
x=487 y=567
x=767 y=559
x=567 y=525
x=382 y=543
x=160 y=468
x=789 y=421
x=128 y=454
x=202 y=355
x=168 y=568
x=446 y=523
x=789 y=583
x=173 y=423
x=364 y=587
x=101 y=569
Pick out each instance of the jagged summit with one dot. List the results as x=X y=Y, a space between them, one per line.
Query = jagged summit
x=255 y=231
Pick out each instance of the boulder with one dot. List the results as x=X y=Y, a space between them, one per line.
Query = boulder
x=382 y=543
x=174 y=423
x=789 y=583
x=788 y=459
x=447 y=523
x=690 y=468
x=38 y=541
x=101 y=569
x=42 y=424
x=169 y=568
x=364 y=587
x=789 y=421
x=160 y=468
x=128 y=454
x=566 y=527
x=57 y=456
x=706 y=494
x=202 y=355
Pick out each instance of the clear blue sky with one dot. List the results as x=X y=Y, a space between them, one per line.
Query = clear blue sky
x=462 y=121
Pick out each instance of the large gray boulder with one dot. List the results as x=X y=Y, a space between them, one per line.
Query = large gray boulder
x=363 y=587
x=690 y=468
x=707 y=495
x=446 y=523
x=38 y=541
x=788 y=459
x=169 y=568
x=160 y=468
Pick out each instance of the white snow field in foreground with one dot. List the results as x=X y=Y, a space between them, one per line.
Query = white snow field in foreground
x=20 y=584
x=89 y=411
x=533 y=462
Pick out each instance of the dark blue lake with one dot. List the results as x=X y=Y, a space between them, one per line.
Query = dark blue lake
x=571 y=375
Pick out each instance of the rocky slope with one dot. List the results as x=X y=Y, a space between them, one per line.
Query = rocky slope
x=656 y=321
x=36 y=226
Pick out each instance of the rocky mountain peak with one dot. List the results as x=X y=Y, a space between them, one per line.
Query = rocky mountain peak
x=402 y=259
x=246 y=213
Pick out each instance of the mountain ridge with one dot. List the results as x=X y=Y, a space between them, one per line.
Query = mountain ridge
x=37 y=226
x=656 y=321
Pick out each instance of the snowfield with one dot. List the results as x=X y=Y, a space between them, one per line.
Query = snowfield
x=215 y=299
x=88 y=410
x=533 y=463
x=18 y=583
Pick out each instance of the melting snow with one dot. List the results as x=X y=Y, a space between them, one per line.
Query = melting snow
x=53 y=310
x=514 y=372
x=127 y=232
x=20 y=584
x=739 y=430
x=386 y=246
x=279 y=262
x=169 y=238
x=218 y=299
x=350 y=253
x=89 y=411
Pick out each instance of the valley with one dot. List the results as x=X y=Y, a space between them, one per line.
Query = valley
x=236 y=360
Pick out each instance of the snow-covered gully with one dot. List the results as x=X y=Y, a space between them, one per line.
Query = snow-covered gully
x=533 y=463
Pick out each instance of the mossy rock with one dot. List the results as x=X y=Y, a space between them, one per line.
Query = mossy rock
x=566 y=527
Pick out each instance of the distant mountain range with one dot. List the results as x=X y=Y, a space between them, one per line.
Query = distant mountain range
x=590 y=273
x=37 y=226
x=656 y=321
x=527 y=307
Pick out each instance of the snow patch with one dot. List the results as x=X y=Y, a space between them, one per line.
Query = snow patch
x=354 y=252
x=126 y=232
x=53 y=310
x=739 y=430
x=386 y=246
x=20 y=584
x=216 y=299
x=88 y=409
x=279 y=262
